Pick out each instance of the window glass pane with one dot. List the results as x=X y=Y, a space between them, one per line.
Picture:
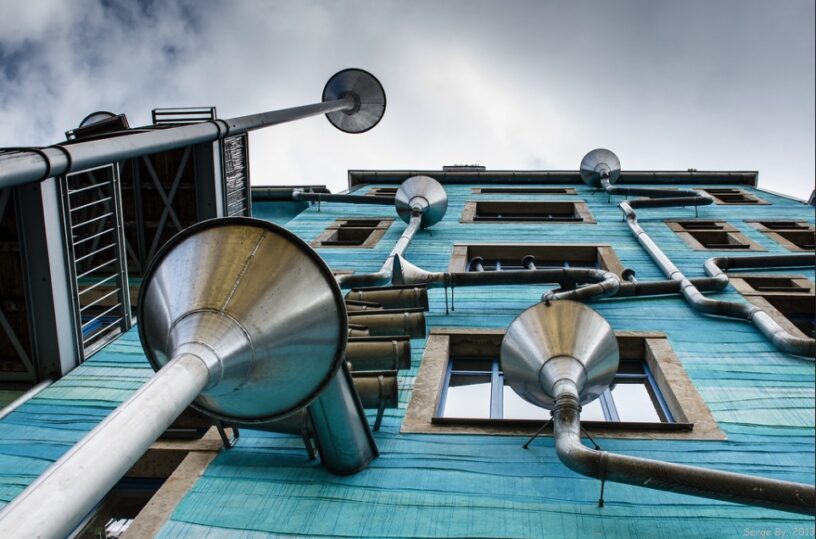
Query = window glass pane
x=468 y=396
x=633 y=402
x=517 y=408
x=471 y=364
x=593 y=411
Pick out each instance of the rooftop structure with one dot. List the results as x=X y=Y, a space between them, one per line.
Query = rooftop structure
x=374 y=363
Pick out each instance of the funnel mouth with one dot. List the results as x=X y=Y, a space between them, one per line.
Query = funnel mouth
x=367 y=93
x=565 y=340
x=597 y=163
x=157 y=317
x=425 y=194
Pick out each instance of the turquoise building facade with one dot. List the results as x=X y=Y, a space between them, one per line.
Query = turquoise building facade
x=446 y=484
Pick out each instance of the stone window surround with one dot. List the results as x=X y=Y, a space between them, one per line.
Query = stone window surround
x=377 y=232
x=753 y=200
x=694 y=420
x=605 y=254
x=774 y=233
x=580 y=206
x=758 y=297
x=687 y=234
x=523 y=191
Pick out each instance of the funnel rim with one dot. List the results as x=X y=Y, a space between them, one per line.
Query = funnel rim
x=322 y=267
x=380 y=94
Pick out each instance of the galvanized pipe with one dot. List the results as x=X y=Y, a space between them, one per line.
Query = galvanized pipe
x=384 y=275
x=304 y=196
x=25 y=397
x=390 y=322
x=659 y=475
x=343 y=436
x=779 y=336
x=377 y=389
x=19 y=168
x=54 y=504
x=379 y=353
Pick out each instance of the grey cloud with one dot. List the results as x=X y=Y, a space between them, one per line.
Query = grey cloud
x=718 y=85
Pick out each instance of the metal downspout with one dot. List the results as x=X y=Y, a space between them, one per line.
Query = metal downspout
x=384 y=275
x=659 y=475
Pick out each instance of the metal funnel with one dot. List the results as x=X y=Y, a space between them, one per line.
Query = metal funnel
x=368 y=96
x=599 y=163
x=257 y=304
x=421 y=194
x=552 y=342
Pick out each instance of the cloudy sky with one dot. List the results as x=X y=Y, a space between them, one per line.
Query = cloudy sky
x=709 y=84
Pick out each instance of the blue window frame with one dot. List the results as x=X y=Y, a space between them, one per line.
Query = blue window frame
x=474 y=388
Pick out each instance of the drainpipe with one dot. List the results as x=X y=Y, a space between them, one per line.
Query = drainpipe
x=602 y=167
x=659 y=475
x=564 y=355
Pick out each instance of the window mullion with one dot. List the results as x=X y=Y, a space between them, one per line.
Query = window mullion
x=496 y=408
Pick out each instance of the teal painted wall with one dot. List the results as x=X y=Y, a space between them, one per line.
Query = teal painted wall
x=481 y=486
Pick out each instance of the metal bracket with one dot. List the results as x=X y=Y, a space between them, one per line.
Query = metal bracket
x=537 y=433
x=228 y=442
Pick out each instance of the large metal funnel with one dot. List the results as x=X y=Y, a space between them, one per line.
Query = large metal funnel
x=421 y=194
x=600 y=163
x=552 y=342
x=254 y=299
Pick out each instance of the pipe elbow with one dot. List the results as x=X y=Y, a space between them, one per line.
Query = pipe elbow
x=578 y=457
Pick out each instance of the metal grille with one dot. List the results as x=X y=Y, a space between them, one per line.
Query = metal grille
x=236 y=177
x=94 y=237
x=183 y=115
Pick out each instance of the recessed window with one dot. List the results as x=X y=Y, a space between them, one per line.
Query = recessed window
x=793 y=235
x=732 y=195
x=712 y=235
x=523 y=191
x=382 y=191
x=518 y=256
x=494 y=211
x=353 y=233
x=460 y=388
x=788 y=299
x=475 y=388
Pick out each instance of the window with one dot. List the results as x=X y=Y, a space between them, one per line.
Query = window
x=788 y=299
x=732 y=195
x=353 y=233
x=493 y=211
x=712 y=235
x=382 y=191
x=475 y=388
x=460 y=388
x=793 y=235
x=496 y=257
x=523 y=191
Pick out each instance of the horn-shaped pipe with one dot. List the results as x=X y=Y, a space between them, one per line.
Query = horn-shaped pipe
x=353 y=101
x=392 y=297
x=390 y=322
x=562 y=355
x=245 y=336
x=379 y=353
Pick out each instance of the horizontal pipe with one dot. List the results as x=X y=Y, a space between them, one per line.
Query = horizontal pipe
x=352 y=305
x=304 y=196
x=54 y=504
x=659 y=475
x=390 y=322
x=377 y=389
x=25 y=397
x=379 y=353
x=392 y=297
x=30 y=166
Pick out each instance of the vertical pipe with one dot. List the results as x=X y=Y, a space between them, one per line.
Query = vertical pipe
x=54 y=504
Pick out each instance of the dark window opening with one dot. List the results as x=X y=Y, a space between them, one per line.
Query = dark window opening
x=524 y=190
x=117 y=511
x=718 y=240
x=495 y=264
x=520 y=256
x=785 y=225
x=802 y=239
x=730 y=195
x=382 y=191
x=800 y=310
x=353 y=233
x=775 y=284
x=701 y=225
x=526 y=211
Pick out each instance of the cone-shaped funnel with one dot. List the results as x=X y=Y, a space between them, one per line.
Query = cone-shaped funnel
x=424 y=194
x=598 y=162
x=548 y=343
x=257 y=305
x=369 y=98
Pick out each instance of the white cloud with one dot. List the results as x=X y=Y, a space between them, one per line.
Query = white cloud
x=726 y=85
